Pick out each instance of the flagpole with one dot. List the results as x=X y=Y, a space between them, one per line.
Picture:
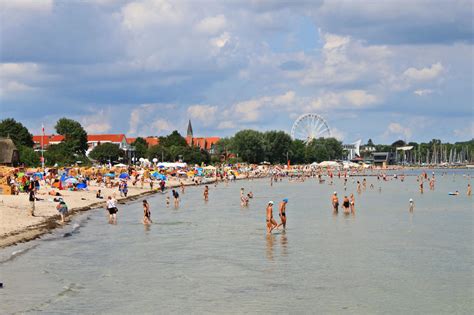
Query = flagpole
x=42 y=146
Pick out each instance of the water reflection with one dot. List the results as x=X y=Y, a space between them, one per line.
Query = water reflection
x=270 y=243
x=284 y=243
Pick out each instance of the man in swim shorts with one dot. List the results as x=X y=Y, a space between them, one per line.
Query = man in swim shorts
x=283 y=213
x=335 y=203
x=271 y=223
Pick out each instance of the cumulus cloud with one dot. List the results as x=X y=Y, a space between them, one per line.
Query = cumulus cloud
x=424 y=74
x=422 y=92
x=351 y=99
x=203 y=113
x=27 y=5
x=212 y=25
x=98 y=121
x=396 y=129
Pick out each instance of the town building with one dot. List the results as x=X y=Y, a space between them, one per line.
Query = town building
x=151 y=141
x=203 y=143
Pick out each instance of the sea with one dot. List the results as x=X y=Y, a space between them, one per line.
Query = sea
x=215 y=257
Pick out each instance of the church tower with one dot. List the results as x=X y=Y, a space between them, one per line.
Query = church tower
x=189 y=134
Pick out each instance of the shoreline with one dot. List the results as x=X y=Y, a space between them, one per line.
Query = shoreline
x=52 y=222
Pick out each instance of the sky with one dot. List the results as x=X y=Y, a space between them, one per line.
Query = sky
x=384 y=70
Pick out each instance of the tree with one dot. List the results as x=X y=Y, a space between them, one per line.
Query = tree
x=28 y=156
x=398 y=143
x=248 y=144
x=141 y=147
x=297 y=152
x=333 y=147
x=316 y=151
x=277 y=145
x=173 y=138
x=106 y=152
x=75 y=137
x=370 y=143
x=62 y=155
x=17 y=132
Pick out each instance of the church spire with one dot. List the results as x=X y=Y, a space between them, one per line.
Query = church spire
x=190 y=129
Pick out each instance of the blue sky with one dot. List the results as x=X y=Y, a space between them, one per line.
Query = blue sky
x=384 y=70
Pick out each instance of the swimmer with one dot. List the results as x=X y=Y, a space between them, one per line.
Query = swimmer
x=206 y=193
x=283 y=213
x=412 y=205
x=176 y=198
x=146 y=213
x=352 y=201
x=421 y=186
x=346 y=205
x=271 y=223
x=335 y=203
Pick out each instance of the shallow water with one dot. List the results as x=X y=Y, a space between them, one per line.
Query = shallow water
x=215 y=257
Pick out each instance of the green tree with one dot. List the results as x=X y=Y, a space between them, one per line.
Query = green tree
x=297 y=152
x=173 y=138
x=158 y=151
x=75 y=137
x=106 y=152
x=62 y=155
x=19 y=134
x=28 y=156
x=333 y=147
x=316 y=151
x=277 y=145
x=249 y=145
x=370 y=143
x=141 y=147
x=398 y=143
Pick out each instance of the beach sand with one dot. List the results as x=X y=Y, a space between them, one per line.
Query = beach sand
x=16 y=224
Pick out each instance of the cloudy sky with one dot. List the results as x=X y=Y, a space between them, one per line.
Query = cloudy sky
x=384 y=70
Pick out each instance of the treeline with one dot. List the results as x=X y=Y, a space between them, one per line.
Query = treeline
x=245 y=146
x=277 y=147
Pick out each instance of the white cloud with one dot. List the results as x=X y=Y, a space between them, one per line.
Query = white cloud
x=203 y=113
x=98 y=122
x=161 y=125
x=350 y=99
x=212 y=25
x=227 y=124
x=424 y=74
x=396 y=129
x=466 y=132
x=221 y=40
x=139 y=15
x=422 y=92
x=333 y=41
x=27 y=5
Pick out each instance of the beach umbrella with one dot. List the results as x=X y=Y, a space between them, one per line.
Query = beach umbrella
x=109 y=175
x=71 y=180
x=124 y=176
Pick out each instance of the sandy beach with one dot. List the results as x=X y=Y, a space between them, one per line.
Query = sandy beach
x=16 y=225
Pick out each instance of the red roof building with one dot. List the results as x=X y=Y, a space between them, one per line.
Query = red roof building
x=204 y=143
x=151 y=141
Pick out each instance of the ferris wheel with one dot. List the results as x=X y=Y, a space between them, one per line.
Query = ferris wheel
x=310 y=126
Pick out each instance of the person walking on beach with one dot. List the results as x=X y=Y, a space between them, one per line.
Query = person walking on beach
x=335 y=203
x=346 y=205
x=112 y=208
x=62 y=209
x=176 y=198
x=206 y=193
x=32 y=199
x=352 y=203
x=146 y=213
x=271 y=223
x=283 y=213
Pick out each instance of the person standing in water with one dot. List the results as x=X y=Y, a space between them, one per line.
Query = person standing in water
x=352 y=201
x=112 y=208
x=283 y=213
x=469 y=190
x=62 y=209
x=335 y=203
x=271 y=223
x=411 y=205
x=176 y=198
x=206 y=193
x=146 y=213
x=346 y=205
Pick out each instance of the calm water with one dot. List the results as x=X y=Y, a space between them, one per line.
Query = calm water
x=216 y=258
